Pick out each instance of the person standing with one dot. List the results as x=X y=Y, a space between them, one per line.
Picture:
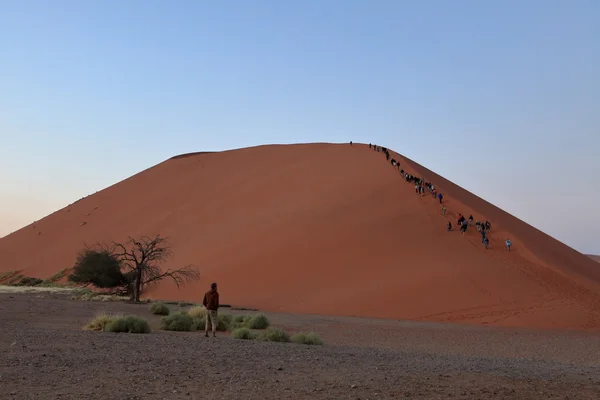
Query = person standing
x=508 y=244
x=211 y=303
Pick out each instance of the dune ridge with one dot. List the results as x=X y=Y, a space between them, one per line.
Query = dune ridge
x=327 y=229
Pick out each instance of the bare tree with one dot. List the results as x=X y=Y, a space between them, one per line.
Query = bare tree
x=142 y=258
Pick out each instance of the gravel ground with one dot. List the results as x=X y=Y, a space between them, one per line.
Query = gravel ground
x=44 y=354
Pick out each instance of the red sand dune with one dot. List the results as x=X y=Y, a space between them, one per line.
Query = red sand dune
x=595 y=258
x=325 y=229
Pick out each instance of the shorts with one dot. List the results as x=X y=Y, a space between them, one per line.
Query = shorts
x=212 y=317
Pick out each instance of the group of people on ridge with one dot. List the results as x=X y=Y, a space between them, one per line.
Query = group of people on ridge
x=421 y=185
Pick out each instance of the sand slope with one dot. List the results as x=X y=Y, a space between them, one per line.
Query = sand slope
x=595 y=258
x=327 y=229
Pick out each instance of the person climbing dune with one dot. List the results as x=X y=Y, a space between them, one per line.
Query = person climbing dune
x=486 y=242
x=464 y=226
x=443 y=210
x=508 y=244
x=449 y=226
x=440 y=197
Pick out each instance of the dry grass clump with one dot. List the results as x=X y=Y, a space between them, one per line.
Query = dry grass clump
x=159 y=308
x=243 y=334
x=128 y=324
x=117 y=323
x=310 y=338
x=99 y=322
x=197 y=312
x=274 y=334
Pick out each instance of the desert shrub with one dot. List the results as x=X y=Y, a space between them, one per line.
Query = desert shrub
x=100 y=268
x=159 y=308
x=238 y=322
x=274 y=334
x=243 y=333
x=6 y=275
x=310 y=338
x=28 y=281
x=258 y=321
x=198 y=324
x=179 y=321
x=99 y=322
x=197 y=312
x=129 y=324
x=224 y=322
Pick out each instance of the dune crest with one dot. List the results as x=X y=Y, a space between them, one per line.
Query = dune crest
x=326 y=229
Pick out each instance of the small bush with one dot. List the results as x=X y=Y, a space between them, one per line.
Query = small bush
x=179 y=321
x=159 y=308
x=274 y=334
x=197 y=312
x=310 y=338
x=238 y=322
x=28 y=281
x=129 y=324
x=198 y=324
x=259 y=321
x=243 y=333
x=99 y=322
x=224 y=322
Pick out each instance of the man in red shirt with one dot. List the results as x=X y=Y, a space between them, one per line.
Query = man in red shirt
x=211 y=303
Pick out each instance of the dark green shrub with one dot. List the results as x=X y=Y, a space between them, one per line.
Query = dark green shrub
x=179 y=321
x=224 y=322
x=100 y=268
x=198 y=324
x=258 y=321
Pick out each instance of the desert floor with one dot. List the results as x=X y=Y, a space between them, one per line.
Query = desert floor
x=45 y=355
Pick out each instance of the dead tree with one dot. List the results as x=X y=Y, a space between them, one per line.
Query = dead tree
x=142 y=259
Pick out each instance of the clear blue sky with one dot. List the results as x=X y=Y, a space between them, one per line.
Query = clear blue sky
x=501 y=97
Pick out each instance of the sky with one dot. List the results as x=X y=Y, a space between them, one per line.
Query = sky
x=501 y=97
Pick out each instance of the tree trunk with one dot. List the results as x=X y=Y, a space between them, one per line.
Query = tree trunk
x=137 y=285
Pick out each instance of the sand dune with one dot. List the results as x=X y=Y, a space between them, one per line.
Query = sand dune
x=325 y=229
x=595 y=258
